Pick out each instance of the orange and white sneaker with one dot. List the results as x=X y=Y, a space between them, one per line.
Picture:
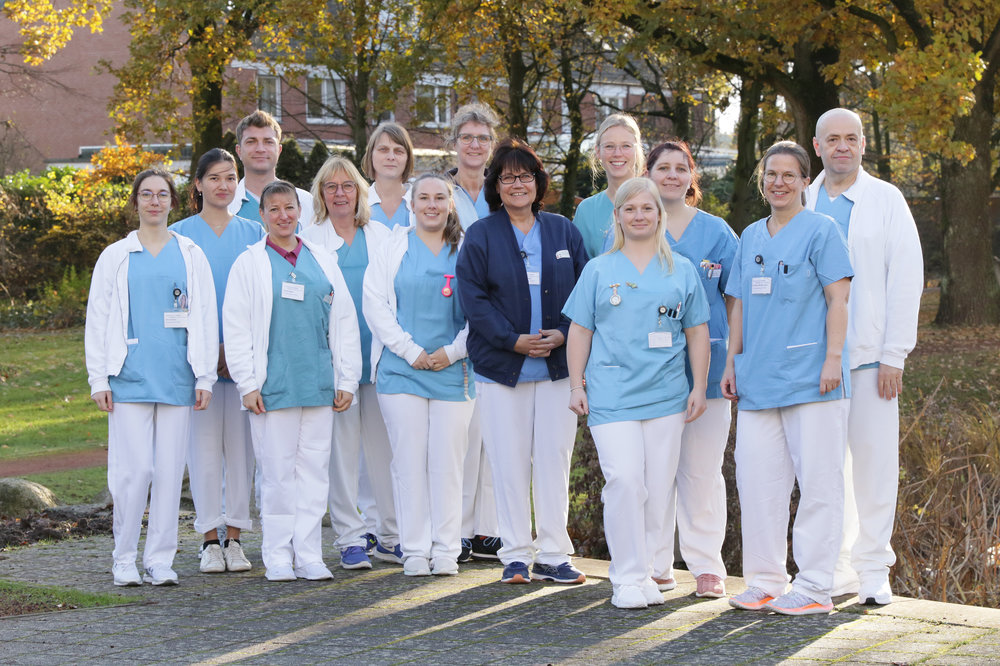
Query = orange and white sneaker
x=796 y=603
x=710 y=585
x=752 y=598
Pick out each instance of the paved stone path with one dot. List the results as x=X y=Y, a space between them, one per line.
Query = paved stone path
x=380 y=616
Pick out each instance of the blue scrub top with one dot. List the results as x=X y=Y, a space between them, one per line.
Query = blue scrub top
x=627 y=379
x=433 y=319
x=593 y=219
x=401 y=218
x=220 y=250
x=839 y=208
x=784 y=331
x=299 y=365
x=156 y=368
x=250 y=210
x=353 y=261
x=468 y=210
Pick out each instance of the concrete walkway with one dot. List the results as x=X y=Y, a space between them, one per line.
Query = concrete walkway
x=380 y=616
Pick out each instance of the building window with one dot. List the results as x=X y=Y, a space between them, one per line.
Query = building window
x=324 y=97
x=607 y=105
x=269 y=95
x=433 y=105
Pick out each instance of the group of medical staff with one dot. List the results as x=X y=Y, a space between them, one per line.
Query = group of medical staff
x=411 y=355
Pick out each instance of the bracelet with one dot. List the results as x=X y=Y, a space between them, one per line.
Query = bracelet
x=573 y=388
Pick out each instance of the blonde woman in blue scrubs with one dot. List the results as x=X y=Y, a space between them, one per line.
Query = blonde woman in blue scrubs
x=388 y=162
x=788 y=371
x=152 y=346
x=618 y=155
x=423 y=377
x=638 y=312
x=294 y=351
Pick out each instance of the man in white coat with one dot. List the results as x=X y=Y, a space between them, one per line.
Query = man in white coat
x=882 y=330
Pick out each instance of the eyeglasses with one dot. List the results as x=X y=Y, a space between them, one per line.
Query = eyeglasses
x=346 y=187
x=524 y=177
x=467 y=139
x=147 y=196
x=787 y=177
x=620 y=147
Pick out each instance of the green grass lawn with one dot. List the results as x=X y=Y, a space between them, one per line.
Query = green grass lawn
x=45 y=404
x=20 y=598
x=75 y=486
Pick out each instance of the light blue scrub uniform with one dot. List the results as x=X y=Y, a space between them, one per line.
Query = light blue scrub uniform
x=156 y=368
x=627 y=378
x=433 y=320
x=353 y=261
x=401 y=218
x=840 y=210
x=784 y=330
x=250 y=210
x=299 y=366
x=593 y=219
x=468 y=210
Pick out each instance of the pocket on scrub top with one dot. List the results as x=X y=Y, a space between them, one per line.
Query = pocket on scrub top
x=600 y=377
x=798 y=283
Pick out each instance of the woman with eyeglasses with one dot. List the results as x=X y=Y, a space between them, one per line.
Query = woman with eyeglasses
x=617 y=154
x=343 y=226
x=788 y=371
x=220 y=446
x=517 y=267
x=388 y=162
x=152 y=347
x=473 y=135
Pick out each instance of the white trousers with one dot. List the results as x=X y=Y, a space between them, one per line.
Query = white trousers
x=479 y=505
x=871 y=475
x=699 y=503
x=293 y=453
x=529 y=433
x=638 y=460
x=429 y=439
x=774 y=448
x=366 y=495
x=220 y=461
x=146 y=446
x=358 y=430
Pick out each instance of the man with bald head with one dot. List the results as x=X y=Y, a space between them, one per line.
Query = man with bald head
x=882 y=330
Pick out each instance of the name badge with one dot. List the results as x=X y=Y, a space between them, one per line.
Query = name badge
x=760 y=285
x=175 y=319
x=534 y=277
x=659 y=339
x=714 y=273
x=293 y=291
x=562 y=254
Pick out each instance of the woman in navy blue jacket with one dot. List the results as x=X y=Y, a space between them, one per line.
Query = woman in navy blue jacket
x=517 y=268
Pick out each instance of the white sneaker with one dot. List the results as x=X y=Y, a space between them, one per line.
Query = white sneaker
x=416 y=566
x=235 y=559
x=876 y=595
x=280 y=574
x=443 y=566
x=665 y=584
x=628 y=596
x=126 y=574
x=313 y=571
x=651 y=591
x=159 y=575
x=212 y=560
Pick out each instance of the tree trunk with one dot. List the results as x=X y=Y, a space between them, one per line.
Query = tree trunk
x=745 y=205
x=970 y=293
x=517 y=117
x=359 y=112
x=206 y=99
x=573 y=99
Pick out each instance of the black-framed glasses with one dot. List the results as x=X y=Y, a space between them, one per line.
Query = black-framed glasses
x=524 y=177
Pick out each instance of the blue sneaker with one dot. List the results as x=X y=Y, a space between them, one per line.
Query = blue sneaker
x=466 y=554
x=564 y=573
x=370 y=542
x=394 y=556
x=354 y=557
x=515 y=572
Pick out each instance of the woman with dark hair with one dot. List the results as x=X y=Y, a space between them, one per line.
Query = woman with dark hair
x=220 y=447
x=423 y=378
x=388 y=163
x=295 y=355
x=788 y=372
x=517 y=267
x=152 y=346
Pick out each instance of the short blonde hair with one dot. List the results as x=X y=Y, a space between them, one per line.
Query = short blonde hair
x=629 y=190
x=335 y=164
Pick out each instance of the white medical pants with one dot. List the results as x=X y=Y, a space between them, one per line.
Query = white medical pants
x=871 y=470
x=361 y=430
x=293 y=452
x=220 y=460
x=428 y=439
x=529 y=433
x=146 y=446
x=638 y=460
x=774 y=447
x=699 y=502
x=479 y=506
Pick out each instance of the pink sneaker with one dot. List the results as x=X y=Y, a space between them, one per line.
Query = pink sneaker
x=665 y=584
x=710 y=585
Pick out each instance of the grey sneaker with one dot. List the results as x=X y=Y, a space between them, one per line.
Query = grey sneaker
x=126 y=574
x=235 y=559
x=212 y=560
x=159 y=575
